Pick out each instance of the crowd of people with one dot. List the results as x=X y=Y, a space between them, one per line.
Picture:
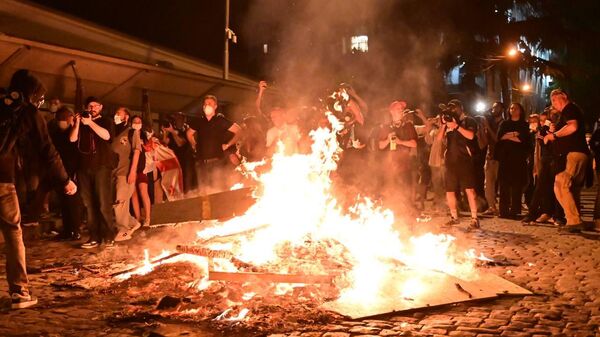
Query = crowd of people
x=107 y=171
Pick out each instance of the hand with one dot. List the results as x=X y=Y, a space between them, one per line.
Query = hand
x=452 y=125
x=86 y=120
x=225 y=147
x=549 y=137
x=170 y=129
x=70 y=188
x=262 y=85
x=357 y=144
x=551 y=128
x=131 y=177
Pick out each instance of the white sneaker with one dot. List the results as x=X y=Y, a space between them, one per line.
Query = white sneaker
x=22 y=300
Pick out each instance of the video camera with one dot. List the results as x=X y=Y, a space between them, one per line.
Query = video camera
x=446 y=113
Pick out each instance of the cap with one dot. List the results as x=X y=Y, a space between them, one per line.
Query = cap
x=91 y=99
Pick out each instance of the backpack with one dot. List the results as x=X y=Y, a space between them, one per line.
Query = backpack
x=13 y=108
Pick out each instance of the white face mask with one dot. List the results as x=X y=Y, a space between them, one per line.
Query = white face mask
x=208 y=110
x=118 y=120
x=63 y=125
x=136 y=126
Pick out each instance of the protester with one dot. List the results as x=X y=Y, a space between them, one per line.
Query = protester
x=492 y=122
x=460 y=130
x=92 y=134
x=71 y=205
x=206 y=135
x=128 y=146
x=145 y=174
x=173 y=135
x=20 y=119
x=511 y=153
x=572 y=151
x=595 y=147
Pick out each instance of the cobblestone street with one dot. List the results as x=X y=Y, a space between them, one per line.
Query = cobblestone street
x=562 y=270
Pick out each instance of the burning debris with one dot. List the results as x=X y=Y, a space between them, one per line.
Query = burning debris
x=296 y=257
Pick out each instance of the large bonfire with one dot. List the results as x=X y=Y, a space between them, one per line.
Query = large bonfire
x=297 y=227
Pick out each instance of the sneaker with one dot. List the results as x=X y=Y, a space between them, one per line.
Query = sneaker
x=451 y=222
x=123 y=235
x=544 y=218
x=137 y=226
x=90 y=244
x=527 y=221
x=490 y=212
x=146 y=223
x=30 y=224
x=22 y=300
x=474 y=224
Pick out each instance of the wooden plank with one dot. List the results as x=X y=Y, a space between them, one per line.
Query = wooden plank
x=213 y=206
x=409 y=289
x=269 y=277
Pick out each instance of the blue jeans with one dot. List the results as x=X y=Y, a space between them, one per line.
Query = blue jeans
x=10 y=223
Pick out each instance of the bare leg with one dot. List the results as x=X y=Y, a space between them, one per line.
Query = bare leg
x=472 y=197
x=146 y=201
x=135 y=203
x=451 y=199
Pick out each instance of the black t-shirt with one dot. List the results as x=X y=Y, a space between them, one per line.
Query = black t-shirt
x=67 y=150
x=210 y=135
x=94 y=151
x=574 y=142
x=459 y=149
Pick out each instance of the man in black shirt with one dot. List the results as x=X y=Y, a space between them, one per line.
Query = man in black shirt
x=492 y=122
x=206 y=136
x=460 y=170
x=571 y=147
x=92 y=134
x=20 y=119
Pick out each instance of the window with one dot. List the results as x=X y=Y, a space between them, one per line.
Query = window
x=359 y=43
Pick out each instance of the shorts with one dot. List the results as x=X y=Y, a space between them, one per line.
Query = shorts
x=142 y=178
x=460 y=177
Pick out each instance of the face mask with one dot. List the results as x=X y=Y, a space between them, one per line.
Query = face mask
x=118 y=119
x=136 y=126
x=533 y=126
x=63 y=125
x=208 y=110
x=53 y=108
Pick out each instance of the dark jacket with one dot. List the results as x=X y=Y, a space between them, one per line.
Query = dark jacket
x=33 y=140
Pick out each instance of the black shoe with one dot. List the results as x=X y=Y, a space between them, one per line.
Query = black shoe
x=572 y=228
x=451 y=222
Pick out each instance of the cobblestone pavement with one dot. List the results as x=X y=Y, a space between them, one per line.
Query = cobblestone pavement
x=562 y=270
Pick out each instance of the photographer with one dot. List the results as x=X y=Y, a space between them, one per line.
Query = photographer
x=397 y=139
x=92 y=134
x=461 y=141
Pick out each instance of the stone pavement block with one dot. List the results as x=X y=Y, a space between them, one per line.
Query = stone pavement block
x=364 y=330
x=434 y=331
x=407 y=327
x=501 y=314
x=404 y=319
x=462 y=334
x=312 y=334
x=509 y=333
x=388 y=332
x=478 y=330
x=336 y=334
x=379 y=324
x=467 y=321
x=492 y=323
x=333 y=328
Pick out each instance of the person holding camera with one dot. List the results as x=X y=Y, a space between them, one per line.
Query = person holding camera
x=459 y=130
x=397 y=139
x=572 y=155
x=173 y=134
x=92 y=134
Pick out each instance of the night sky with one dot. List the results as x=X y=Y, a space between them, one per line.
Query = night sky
x=195 y=28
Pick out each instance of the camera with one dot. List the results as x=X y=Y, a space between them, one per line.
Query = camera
x=85 y=114
x=446 y=114
x=166 y=123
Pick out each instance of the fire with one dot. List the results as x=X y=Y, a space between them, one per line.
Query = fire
x=296 y=212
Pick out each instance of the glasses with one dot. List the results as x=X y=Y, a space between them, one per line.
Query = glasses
x=93 y=105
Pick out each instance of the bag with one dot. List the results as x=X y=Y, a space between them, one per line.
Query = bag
x=12 y=111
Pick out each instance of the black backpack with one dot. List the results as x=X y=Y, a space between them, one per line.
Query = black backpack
x=13 y=109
